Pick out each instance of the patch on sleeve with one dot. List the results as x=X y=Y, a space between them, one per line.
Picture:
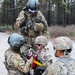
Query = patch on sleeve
x=45 y=72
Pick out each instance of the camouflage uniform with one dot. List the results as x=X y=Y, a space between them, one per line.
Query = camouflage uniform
x=38 y=25
x=43 y=55
x=15 y=63
x=63 y=66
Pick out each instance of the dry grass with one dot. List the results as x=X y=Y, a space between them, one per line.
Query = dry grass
x=10 y=31
x=56 y=31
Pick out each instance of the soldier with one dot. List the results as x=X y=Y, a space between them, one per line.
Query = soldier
x=65 y=65
x=31 y=22
x=43 y=55
x=14 y=62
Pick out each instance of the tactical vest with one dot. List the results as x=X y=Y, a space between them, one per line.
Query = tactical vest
x=67 y=65
x=27 y=28
x=11 y=70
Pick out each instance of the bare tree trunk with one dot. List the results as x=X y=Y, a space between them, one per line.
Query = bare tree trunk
x=12 y=5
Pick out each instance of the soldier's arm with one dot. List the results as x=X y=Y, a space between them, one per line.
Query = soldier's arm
x=47 y=61
x=21 y=16
x=42 y=18
x=20 y=19
x=54 y=69
x=19 y=63
x=48 y=71
x=44 y=21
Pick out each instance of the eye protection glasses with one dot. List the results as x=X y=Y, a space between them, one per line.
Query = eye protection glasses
x=38 y=44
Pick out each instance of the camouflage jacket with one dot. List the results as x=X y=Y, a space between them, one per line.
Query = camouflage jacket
x=63 y=66
x=44 y=57
x=15 y=63
x=32 y=27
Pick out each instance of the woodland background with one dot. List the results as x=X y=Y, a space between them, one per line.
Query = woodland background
x=57 y=12
x=60 y=15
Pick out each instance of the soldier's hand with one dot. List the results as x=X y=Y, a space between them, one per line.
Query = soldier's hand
x=31 y=52
x=30 y=60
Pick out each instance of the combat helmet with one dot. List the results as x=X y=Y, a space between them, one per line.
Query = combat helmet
x=32 y=7
x=41 y=40
x=62 y=43
x=16 y=40
x=33 y=4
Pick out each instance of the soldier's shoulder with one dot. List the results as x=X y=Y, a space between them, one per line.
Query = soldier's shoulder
x=13 y=56
x=48 y=71
x=39 y=12
x=8 y=51
x=57 y=65
x=22 y=12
